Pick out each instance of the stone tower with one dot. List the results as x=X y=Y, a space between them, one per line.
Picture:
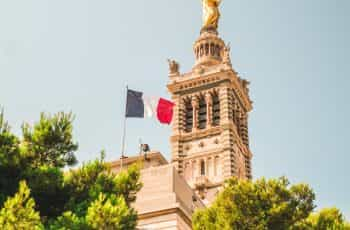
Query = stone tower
x=209 y=141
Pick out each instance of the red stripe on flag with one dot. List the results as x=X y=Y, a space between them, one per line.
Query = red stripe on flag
x=165 y=111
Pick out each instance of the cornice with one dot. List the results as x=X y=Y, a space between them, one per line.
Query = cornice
x=197 y=134
x=214 y=131
x=154 y=155
x=163 y=212
x=238 y=140
x=208 y=154
x=240 y=91
x=192 y=81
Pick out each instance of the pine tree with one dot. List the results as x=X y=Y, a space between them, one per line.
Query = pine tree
x=18 y=212
x=111 y=214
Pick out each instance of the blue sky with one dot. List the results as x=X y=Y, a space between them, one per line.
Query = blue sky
x=79 y=55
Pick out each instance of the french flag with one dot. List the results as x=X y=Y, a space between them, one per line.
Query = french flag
x=141 y=106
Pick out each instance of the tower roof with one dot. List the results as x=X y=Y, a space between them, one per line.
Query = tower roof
x=209 y=48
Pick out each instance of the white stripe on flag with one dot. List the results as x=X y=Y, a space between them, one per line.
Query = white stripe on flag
x=150 y=105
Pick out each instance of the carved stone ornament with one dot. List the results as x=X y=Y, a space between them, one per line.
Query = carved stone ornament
x=199 y=70
x=216 y=141
x=226 y=57
x=174 y=67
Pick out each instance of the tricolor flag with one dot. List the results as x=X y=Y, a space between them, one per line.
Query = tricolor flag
x=140 y=106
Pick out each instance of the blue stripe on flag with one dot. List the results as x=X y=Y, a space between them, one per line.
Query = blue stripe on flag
x=134 y=104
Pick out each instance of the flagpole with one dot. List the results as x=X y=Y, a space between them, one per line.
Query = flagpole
x=124 y=133
x=123 y=140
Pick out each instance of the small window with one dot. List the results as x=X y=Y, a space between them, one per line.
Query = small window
x=188 y=116
x=202 y=113
x=216 y=110
x=202 y=168
x=216 y=165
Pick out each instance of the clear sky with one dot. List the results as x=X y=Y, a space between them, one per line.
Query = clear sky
x=79 y=55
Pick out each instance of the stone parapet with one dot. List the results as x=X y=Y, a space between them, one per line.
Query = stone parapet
x=165 y=199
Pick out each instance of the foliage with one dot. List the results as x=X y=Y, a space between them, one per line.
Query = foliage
x=328 y=218
x=50 y=141
x=98 y=198
x=9 y=144
x=69 y=221
x=79 y=184
x=10 y=161
x=111 y=213
x=264 y=204
x=95 y=197
x=86 y=183
x=18 y=212
x=47 y=185
x=38 y=159
x=64 y=200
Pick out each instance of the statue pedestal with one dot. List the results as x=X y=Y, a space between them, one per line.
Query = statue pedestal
x=209 y=29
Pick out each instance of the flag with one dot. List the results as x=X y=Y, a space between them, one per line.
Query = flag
x=139 y=106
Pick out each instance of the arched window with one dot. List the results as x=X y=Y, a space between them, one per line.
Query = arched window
x=194 y=169
x=216 y=110
x=210 y=168
x=188 y=116
x=202 y=113
x=212 y=49
x=217 y=53
x=202 y=168
x=207 y=49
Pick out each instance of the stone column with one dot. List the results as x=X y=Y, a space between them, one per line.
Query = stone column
x=209 y=161
x=249 y=168
x=182 y=116
x=177 y=119
x=192 y=170
x=206 y=162
x=176 y=146
x=224 y=105
x=209 y=102
x=199 y=171
x=226 y=137
x=244 y=129
x=236 y=117
x=195 y=106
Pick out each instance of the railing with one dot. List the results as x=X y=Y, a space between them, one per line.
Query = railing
x=201 y=181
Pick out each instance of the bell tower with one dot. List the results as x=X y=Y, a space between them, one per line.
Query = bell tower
x=209 y=141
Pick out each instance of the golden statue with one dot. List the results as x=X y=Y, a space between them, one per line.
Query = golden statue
x=211 y=13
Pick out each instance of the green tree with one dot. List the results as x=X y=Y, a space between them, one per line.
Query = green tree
x=50 y=142
x=65 y=200
x=99 y=198
x=264 y=204
x=328 y=218
x=38 y=158
x=10 y=161
x=18 y=212
x=86 y=183
x=111 y=214
x=48 y=190
x=69 y=221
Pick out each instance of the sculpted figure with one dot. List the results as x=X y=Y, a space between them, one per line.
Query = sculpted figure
x=174 y=67
x=211 y=14
x=226 y=57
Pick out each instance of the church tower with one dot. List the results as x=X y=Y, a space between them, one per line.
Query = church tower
x=209 y=141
